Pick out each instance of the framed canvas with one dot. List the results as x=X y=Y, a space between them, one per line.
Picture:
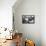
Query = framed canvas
x=28 y=19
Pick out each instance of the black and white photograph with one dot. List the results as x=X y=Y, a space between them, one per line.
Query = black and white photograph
x=28 y=19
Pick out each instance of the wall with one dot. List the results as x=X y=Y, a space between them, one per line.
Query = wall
x=43 y=22
x=6 y=13
x=30 y=31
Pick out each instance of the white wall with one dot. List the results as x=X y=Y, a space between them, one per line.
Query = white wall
x=37 y=31
x=43 y=22
x=6 y=13
x=29 y=7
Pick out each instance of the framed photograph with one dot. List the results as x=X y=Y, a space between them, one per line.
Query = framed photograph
x=28 y=19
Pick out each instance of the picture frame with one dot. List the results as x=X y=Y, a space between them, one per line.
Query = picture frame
x=28 y=19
